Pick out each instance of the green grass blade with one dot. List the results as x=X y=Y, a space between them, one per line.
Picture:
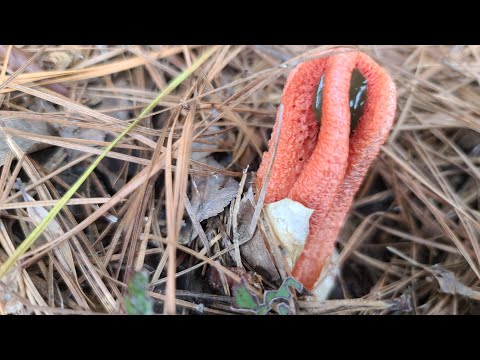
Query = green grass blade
x=28 y=242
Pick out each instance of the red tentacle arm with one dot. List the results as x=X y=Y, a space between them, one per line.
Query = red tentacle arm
x=323 y=166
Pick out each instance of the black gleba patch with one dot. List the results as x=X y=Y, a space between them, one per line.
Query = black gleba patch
x=357 y=98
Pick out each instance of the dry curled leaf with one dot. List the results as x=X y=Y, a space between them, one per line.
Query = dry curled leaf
x=449 y=283
x=60 y=60
x=212 y=193
x=254 y=251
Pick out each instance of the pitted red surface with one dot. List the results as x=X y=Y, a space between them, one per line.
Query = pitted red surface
x=324 y=169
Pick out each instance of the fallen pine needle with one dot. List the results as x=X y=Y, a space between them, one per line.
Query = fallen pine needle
x=28 y=242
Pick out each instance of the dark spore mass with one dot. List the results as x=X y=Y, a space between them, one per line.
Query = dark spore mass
x=357 y=99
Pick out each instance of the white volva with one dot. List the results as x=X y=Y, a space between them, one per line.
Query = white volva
x=290 y=222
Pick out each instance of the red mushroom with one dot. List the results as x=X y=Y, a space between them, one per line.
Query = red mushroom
x=330 y=135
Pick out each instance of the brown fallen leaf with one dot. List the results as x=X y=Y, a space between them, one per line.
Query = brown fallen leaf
x=61 y=59
x=211 y=194
x=254 y=251
x=449 y=283
x=27 y=146
x=18 y=57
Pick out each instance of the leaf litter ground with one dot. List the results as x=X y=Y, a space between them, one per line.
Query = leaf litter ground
x=410 y=244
